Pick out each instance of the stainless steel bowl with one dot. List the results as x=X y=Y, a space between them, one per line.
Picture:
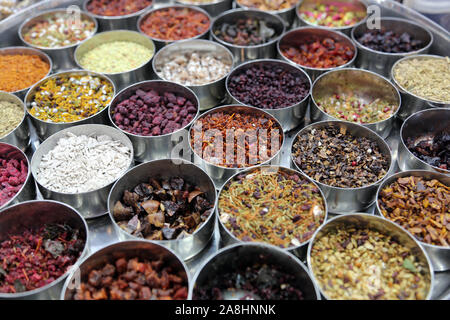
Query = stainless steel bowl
x=220 y=174
x=348 y=200
x=238 y=256
x=411 y=102
x=421 y=123
x=214 y=7
x=148 y=148
x=30 y=52
x=62 y=58
x=28 y=190
x=306 y=4
x=242 y=54
x=125 y=22
x=286 y=15
x=439 y=255
x=226 y=236
x=45 y=129
x=210 y=94
x=122 y=79
x=381 y=62
x=90 y=204
x=159 y=43
x=290 y=117
x=361 y=220
x=32 y=214
x=298 y=36
x=144 y=250
x=367 y=85
x=20 y=136
x=189 y=246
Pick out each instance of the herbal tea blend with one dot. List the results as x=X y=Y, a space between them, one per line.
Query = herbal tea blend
x=334 y=15
x=434 y=149
x=11 y=115
x=268 y=5
x=117 y=7
x=13 y=174
x=390 y=42
x=246 y=32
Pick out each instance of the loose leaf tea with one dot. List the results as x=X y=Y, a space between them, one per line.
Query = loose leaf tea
x=337 y=158
x=11 y=115
x=363 y=264
x=389 y=41
x=276 y=207
x=162 y=209
x=434 y=149
x=333 y=15
x=246 y=32
x=13 y=174
x=133 y=279
x=420 y=206
x=271 y=5
x=117 y=7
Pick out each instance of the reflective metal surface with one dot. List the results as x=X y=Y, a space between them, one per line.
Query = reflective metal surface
x=92 y=203
x=35 y=214
x=214 y=8
x=287 y=15
x=366 y=85
x=20 y=136
x=290 y=117
x=361 y=220
x=211 y=94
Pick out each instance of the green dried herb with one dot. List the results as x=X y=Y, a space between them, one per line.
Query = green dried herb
x=409 y=265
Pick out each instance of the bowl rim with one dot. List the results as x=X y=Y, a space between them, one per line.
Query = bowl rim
x=368 y=216
x=250 y=12
x=30 y=21
x=19 y=102
x=201 y=4
x=69 y=270
x=286 y=65
x=327 y=123
x=372 y=74
x=130 y=15
x=239 y=5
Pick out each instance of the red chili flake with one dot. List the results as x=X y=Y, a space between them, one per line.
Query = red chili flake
x=117 y=7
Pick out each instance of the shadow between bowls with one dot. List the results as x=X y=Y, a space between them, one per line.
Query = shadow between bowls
x=20 y=135
x=214 y=7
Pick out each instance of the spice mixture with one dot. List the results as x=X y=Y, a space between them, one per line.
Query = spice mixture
x=434 y=149
x=426 y=77
x=337 y=158
x=198 y=1
x=80 y=163
x=162 y=209
x=241 y=139
x=70 y=98
x=246 y=32
x=334 y=15
x=268 y=86
x=36 y=258
x=276 y=207
x=133 y=279
x=116 y=57
x=390 y=42
x=362 y=264
x=11 y=115
x=351 y=107
x=117 y=7
x=58 y=30
x=152 y=113
x=175 y=23
x=268 y=5
x=13 y=174
x=20 y=71
x=420 y=206
x=319 y=53
x=194 y=68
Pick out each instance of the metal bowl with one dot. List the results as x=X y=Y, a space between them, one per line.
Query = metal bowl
x=348 y=200
x=242 y=54
x=28 y=190
x=439 y=255
x=189 y=246
x=210 y=94
x=159 y=43
x=90 y=204
x=124 y=22
x=411 y=102
x=144 y=250
x=220 y=174
x=361 y=220
x=45 y=129
x=298 y=36
x=20 y=136
x=30 y=52
x=366 y=84
x=31 y=214
x=226 y=236
x=286 y=15
x=291 y=116
x=381 y=62
x=238 y=256
x=214 y=7
x=122 y=79
x=62 y=57
x=148 y=148
x=419 y=124
x=305 y=4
